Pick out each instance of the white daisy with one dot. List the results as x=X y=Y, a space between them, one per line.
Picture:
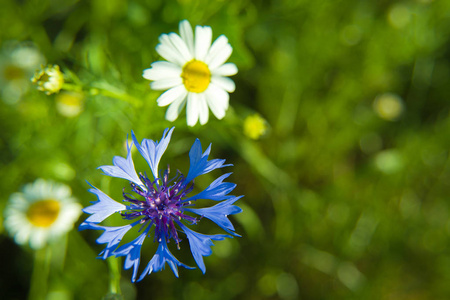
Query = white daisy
x=194 y=73
x=42 y=212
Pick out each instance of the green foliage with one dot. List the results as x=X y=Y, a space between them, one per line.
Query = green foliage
x=342 y=200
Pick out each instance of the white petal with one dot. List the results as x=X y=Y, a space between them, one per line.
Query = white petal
x=175 y=108
x=187 y=35
x=168 y=52
x=181 y=46
x=221 y=57
x=203 y=37
x=172 y=95
x=203 y=109
x=227 y=69
x=192 y=109
x=23 y=235
x=226 y=83
x=165 y=84
x=162 y=70
x=217 y=100
x=216 y=47
x=38 y=238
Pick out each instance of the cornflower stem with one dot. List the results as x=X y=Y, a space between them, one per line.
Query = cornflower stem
x=114 y=275
x=39 y=277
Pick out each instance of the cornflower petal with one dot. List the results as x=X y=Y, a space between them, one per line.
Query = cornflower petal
x=199 y=163
x=132 y=253
x=201 y=244
x=217 y=190
x=219 y=212
x=103 y=208
x=123 y=168
x=161 y=257
x=111 y=236
x=153 y=151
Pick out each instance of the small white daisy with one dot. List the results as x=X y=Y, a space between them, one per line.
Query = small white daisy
x=194 y=73
x=42 y=212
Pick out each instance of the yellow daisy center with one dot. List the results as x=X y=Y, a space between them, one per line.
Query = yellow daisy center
x=43 y=213
x=196 y=76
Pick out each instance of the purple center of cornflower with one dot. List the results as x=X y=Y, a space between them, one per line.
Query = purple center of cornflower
x=162 y=204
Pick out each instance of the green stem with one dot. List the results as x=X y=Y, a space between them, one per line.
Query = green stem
x=71 y=87
x=105 y=92
x=117 y=95
x=41 y=267
x=114 y=275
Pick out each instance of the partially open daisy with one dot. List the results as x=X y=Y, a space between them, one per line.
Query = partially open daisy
x=194 y=73
x=42 y=212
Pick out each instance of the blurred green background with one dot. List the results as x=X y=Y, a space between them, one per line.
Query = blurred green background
x=346 y=195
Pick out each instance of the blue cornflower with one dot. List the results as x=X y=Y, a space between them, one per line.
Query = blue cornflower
x=162 y=207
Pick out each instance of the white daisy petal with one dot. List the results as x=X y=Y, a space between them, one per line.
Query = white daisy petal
x=162 y=70
x=203 y=109
x=165 y=84
x=38 y=239
x=227 y=69
x=168 y=52
x=216 y=47
x=172 y=95
x=221 y=57
x=192 y=109
x=203 y=37
x=181 y=46
x=218 y=100
x=187 y=35
x=175 y=108
x=224 y=82
x=34 y=221
x=22 y=235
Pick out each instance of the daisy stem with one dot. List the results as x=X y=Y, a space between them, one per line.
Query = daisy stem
x=114 y=275
x=72 y=87
x=39 y=277
x=105 y=92
x=116 y=95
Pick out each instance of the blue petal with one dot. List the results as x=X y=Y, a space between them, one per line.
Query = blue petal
x=112 y=236
x=219 y=212
x=199 y=163
x=132 y=251
x=153 y=151
x=123 y=168
x=161 y=257
x=201 y=244
x=103 y=208
x=217 y=190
